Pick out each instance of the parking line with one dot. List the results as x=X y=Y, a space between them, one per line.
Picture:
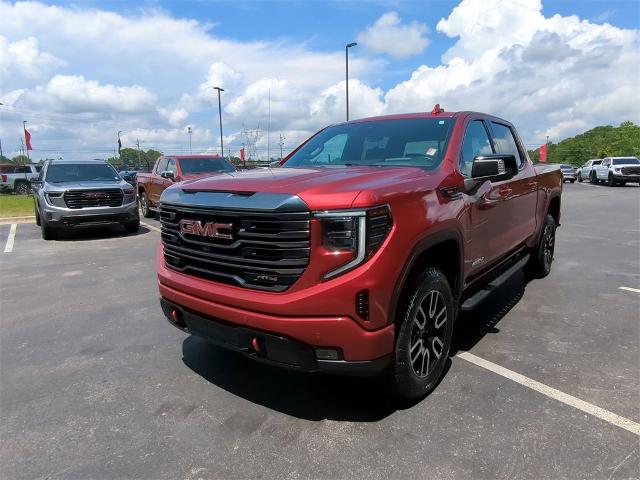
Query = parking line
x=629 y=289
x=550 y=392
x=151 y=227
x=8 y=248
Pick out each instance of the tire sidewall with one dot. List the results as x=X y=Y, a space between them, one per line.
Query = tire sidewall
x=541 y=269
x=407 y=384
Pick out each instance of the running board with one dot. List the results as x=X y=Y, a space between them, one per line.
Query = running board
x=475 y=300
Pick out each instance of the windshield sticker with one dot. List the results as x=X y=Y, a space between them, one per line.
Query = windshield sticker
x=431 y=151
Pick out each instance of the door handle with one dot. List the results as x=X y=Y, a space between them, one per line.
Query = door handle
x=505 y=191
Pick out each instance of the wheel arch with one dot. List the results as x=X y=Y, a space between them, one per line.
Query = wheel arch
x=442 y=250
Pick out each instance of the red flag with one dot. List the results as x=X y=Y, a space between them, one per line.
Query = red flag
x=242 y=154
x=27 y=138
x=543 y=153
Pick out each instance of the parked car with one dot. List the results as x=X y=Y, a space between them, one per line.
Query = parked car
x=17 y=177
x=357 y=254
x=584 y=172
x=617 y=170
x=568 y=172
x=73 y=194
x=176 y=168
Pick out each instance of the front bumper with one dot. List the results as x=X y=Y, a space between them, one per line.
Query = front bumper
x=90 y=216
x=286 y=341
x=626 y=178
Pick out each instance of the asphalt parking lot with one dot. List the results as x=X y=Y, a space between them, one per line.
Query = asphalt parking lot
x=96 y=384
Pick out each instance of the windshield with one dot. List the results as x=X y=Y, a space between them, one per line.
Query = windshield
x=204 y=165
x=81 y=172
x=625 y=161
x=566 y=167
x=414 y=142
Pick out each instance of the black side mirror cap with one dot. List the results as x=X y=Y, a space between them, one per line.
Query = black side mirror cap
x=495 y=168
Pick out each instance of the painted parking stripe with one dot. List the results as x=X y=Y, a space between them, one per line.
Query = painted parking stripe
x=8 y=247
x=150 y=227
x=629 y=289
x=550 y=392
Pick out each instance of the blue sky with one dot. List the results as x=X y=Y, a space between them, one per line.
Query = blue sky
x=81 y=71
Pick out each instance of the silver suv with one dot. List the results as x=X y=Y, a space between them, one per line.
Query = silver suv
x=71 y=194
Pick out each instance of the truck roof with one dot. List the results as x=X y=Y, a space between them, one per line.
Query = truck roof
x=399 y=116
x=187 y=157
x=76 y=161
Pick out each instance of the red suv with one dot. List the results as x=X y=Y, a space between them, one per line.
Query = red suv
x=356 y=256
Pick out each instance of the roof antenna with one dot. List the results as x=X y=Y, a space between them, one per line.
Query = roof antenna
x=437 y=110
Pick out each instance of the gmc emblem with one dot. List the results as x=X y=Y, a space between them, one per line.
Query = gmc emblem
x=95 y=195
x=208 y=229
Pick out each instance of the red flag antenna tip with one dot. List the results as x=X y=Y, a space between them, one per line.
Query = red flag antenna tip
x=437 y=110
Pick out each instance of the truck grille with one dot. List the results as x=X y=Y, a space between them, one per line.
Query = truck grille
x=266 y=251
x=111 y=197
x=630 y=170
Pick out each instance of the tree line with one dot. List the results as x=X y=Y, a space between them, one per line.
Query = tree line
x=599 y=142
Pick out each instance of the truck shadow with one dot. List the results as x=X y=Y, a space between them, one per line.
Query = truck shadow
x=472 y=326
x=317 y=397
x=98 y=233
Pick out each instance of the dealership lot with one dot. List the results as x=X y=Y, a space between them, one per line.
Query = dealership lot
x=96 y=384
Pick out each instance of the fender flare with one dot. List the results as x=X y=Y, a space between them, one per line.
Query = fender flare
x=431 y=240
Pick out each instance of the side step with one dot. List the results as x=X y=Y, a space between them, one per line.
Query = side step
x=473 y=301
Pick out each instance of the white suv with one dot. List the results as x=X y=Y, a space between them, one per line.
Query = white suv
x=584 y=172
x=618 y=170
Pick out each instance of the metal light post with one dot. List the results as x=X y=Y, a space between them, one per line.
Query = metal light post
x=1 y=155
x=346 y=60
x=220 y=117
x=189 y=131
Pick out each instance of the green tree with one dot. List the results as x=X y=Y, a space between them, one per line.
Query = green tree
x=20 y=159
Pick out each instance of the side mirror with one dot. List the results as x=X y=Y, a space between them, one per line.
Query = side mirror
x=168 y=174
x=494 y=168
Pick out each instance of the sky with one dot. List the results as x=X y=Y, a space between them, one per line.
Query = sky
x=80 y=72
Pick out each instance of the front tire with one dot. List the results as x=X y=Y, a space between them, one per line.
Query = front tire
x=542 y=257
x=611 y=181
x=144 y=206
x=132 y=227
x=572 y=181
x=48 y=232
x=424 y=337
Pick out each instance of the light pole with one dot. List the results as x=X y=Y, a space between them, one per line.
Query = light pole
x=1 y=155
x=189 y=131
x=346 y=63
x=220 y=117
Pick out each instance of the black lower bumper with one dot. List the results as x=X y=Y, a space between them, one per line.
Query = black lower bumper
x=265 y=347
x=96 y=220
x=626 y=178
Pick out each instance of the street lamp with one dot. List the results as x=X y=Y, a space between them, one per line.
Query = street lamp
x=189 y=131
x=220 y=117
x=346 y=60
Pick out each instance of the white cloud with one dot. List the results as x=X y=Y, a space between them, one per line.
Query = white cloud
x=547 y=75
x=22 y=60
x=388 y=35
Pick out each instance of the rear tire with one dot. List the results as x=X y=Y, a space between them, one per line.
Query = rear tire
x=144 y=206
x=572 y=181
x=579 y=178
x=424 y=337
x=542 y=257
x=593 y=178
x=21 y=188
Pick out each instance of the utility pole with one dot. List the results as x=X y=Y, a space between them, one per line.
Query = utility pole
x=189 y=131
x=346 y=62
x=269 y=130
x=1 y=155
x=220 y=118
x=138 y=144
x=281 y=143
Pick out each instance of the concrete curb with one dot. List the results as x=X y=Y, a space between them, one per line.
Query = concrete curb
x=8 y=220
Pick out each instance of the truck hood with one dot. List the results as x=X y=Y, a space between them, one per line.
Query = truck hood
x=87 y=185
x=320 y=188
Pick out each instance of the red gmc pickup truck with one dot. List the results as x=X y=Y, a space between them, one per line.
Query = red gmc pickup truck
x=175 y=168
x=356 y=256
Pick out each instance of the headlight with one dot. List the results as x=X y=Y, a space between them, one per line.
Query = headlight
x=354 y=235
x=54 y=198
x=617 y=170
x=129 y=195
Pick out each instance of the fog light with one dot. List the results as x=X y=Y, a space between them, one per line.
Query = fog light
x=327 y=354
x=362 y=304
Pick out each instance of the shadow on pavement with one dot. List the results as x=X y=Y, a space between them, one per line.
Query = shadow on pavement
x=318 y=397
x=97 y=233
x=472 y=326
